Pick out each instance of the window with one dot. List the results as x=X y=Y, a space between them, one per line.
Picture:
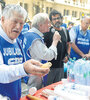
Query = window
x=66 y=12
x=50 y=9
x=25 y=5
x=47 y=10
x=21 y=4
x=37 y=9
x=74 y=13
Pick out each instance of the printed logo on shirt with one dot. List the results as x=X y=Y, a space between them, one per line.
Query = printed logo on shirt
x=13 y=61
x=83 y=41
x=12 y=55
x=11 y=51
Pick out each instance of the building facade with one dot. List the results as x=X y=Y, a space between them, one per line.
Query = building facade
x=70 y=9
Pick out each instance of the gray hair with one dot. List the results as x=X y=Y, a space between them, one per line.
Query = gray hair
x=39 y=18
x=10 y=9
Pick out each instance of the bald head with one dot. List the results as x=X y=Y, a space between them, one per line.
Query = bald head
x=85 y=22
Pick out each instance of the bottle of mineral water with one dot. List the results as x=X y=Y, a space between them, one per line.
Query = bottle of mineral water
x=78 y=71
x=71 y=70
x=53 y=98
x=88 y=73
x=68 y=68
x=73 y=62
x=81 y=72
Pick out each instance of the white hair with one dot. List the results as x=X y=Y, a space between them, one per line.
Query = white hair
x=39 y=18
x=11 y=8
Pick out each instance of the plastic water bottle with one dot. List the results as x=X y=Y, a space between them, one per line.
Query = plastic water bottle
x=88 y=73
x=82 y=74
x=53 y=98
x=72 y=74
x=71 y=70
x=84 y=67
x=78 y=71
x=68 y=68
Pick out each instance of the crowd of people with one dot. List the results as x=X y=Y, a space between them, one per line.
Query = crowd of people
x=24 y=48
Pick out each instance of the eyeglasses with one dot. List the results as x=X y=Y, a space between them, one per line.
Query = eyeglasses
x=58 y=18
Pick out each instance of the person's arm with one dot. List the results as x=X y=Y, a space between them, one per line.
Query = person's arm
x=10 y=73
x=68 y=43
x=77 y=50
x=72 y=35
x=40 y=51
x=87 y=56
x=34 y=67
x=68 y=46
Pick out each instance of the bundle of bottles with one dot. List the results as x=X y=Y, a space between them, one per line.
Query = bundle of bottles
x=78 y=71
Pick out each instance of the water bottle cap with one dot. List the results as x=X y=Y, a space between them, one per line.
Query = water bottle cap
x=32 y=90
x=74 y=58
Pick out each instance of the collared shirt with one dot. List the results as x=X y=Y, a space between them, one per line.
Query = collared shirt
x=39 y=50
x=82 y=32
x=12 y=72
x=73 y=34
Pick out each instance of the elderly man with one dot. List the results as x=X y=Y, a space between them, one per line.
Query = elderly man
x=11 y=53
x=34 y=46
x=80 y=38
